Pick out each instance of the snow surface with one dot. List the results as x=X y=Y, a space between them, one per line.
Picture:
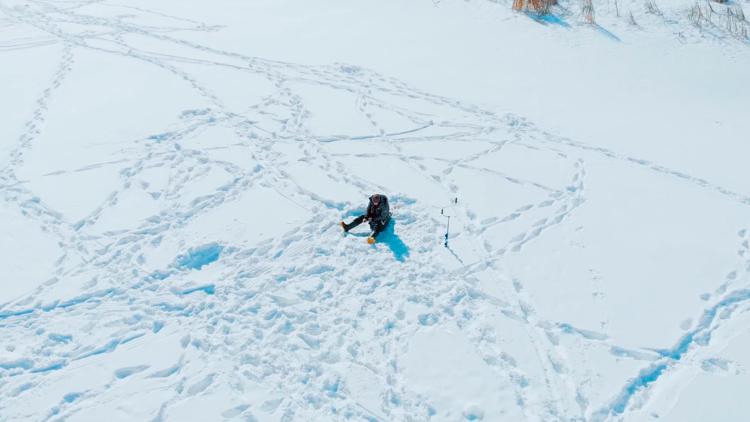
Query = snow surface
x=172 y=176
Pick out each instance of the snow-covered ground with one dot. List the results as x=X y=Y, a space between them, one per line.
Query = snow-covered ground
x=172 y=176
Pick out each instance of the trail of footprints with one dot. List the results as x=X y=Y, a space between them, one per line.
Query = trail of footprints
x=278 y=323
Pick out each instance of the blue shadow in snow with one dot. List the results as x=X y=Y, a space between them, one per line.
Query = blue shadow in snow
x=394 y=243
x=606 y=33
x=548 y=19
x=454 y=254
x=197 y=258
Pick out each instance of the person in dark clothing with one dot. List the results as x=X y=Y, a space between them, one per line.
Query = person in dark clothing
x=378 y=215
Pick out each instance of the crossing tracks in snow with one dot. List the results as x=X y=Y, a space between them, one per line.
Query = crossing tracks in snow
x=210 y=266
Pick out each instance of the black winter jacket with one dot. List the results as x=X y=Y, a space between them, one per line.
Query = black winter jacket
x=380 y=214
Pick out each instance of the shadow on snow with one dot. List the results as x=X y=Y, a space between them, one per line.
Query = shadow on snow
x=395 y=244
x=389 y=238
x=548 y=19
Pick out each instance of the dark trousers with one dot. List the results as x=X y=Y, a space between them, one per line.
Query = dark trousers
x=375 y=226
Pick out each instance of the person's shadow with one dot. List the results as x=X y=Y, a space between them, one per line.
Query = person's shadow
x=388 y=237
x=394 y=243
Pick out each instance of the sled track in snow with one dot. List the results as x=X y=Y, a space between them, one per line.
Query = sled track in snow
x=264 y=321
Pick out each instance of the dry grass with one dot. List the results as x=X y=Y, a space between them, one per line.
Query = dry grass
x=652 y=8
x=631 y=18
x=733 y=20
x=736 y=23
x=587 y=11
x=540 y=7
x=698 y=16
